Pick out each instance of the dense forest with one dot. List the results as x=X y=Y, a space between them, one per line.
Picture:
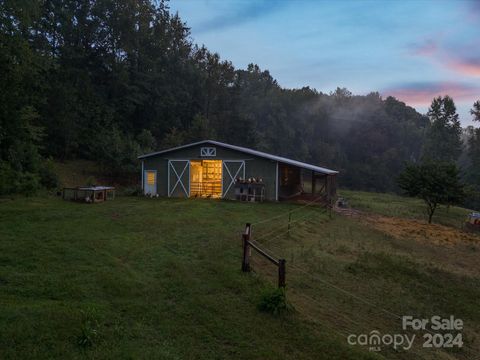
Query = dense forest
x=110 y=79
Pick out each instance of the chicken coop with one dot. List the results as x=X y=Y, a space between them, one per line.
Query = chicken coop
x=89 y=194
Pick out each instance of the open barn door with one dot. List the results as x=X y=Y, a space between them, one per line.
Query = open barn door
x=232 y=169
x=179 y=178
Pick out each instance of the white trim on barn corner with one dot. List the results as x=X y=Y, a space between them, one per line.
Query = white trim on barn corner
x=143 y=171
x=251 y=152
x=276 y=182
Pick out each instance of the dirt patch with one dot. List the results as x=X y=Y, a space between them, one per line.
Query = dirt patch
x=421 y=231
x=401 y=228
x=441 y=246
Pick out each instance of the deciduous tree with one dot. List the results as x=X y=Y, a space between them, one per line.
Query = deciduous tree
x=435 y=183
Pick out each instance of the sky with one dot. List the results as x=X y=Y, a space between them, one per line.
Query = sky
x=411 y=49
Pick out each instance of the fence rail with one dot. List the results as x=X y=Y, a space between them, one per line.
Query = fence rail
x=248 y=244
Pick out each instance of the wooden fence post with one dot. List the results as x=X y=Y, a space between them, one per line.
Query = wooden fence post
x=246 y=248
x=281 y=273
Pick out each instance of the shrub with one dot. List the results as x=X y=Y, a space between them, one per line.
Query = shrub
x=91 y=181
x=28 y=184
x=274 y=302
x=8 y=179
x=130 y=191
x=88 y=328
x=48 y=177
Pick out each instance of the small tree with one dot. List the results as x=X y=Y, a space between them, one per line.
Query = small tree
x=435 y=183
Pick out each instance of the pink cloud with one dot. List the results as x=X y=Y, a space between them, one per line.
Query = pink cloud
x=463 y=60
x=470 y=67
x=421 y=94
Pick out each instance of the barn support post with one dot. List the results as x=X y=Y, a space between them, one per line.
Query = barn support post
x=281 y=273
x=313 y=182
x=143 y=174
x=246 y=248
x=327 y=188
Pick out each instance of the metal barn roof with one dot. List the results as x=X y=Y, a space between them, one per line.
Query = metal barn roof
x=251 y=152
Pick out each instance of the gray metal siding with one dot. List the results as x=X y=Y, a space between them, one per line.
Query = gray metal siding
x=254 y=167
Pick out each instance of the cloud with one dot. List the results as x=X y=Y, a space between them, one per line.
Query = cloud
x=473 y=11
x=246 y=12
x=463 y=60
x=466 y=66
x=422 y=93
x=427 y=48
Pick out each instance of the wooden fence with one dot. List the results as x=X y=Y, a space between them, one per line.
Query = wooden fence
x=248 y=245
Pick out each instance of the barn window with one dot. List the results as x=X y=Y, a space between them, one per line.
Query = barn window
x=150 y=177
x=208 y=151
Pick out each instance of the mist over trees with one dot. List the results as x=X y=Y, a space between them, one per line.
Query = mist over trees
x=108 y=80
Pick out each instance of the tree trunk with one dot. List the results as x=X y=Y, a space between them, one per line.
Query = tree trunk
x=431 y=211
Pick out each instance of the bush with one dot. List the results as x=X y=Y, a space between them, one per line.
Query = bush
x=91 y=181
x=274 y=302
x=28 y=184
x=15 y=182
x=48 y=177
x=130 y=191
x=8 y=179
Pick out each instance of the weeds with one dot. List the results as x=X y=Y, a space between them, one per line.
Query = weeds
x=274 y=302
x=89 y=328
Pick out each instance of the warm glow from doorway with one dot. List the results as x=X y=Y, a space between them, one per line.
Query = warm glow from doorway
x=206 y=178
x=150 y=177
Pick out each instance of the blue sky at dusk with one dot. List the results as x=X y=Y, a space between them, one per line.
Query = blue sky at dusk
x=413 y=49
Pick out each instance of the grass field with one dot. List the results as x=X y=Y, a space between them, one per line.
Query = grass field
x=394 y=205
x=160 y=278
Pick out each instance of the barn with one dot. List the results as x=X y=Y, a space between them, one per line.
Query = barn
x=214 y=169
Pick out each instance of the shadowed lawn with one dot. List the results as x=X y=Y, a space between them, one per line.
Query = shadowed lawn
x=141 y=278
x=160 y=278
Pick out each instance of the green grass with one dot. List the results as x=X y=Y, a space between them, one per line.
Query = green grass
x=356 y=278
x=141 y=278
x=400 y=206
x=160 y=278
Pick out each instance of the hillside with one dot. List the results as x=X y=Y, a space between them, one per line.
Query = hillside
x=143 y=278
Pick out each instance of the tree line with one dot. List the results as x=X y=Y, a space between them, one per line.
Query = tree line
x=108 y=80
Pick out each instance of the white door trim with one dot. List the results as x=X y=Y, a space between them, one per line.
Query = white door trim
x=232 y=178
x=178 y=177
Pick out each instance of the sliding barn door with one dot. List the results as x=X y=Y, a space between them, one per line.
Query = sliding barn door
x=179 y=178
x=232 y=169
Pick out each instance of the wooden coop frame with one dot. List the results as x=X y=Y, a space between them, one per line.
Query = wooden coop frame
x=89 y=194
